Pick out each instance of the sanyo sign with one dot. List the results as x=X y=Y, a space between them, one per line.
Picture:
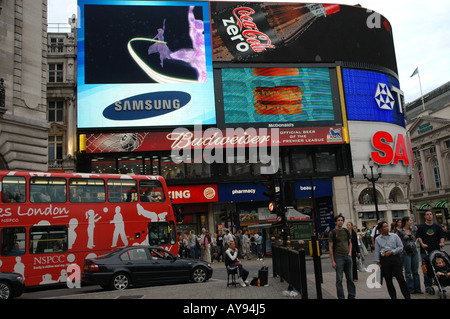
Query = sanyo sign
x=391 y=149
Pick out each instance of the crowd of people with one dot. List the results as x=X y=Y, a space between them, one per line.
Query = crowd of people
x=212 y=247
x=395 y=252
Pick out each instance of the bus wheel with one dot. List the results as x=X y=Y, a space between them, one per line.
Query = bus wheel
x=120 y=281
x=199 y=275
x=5 y=290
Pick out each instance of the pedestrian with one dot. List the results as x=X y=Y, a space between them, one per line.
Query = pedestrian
x=388 y=248
x=356 y=253
x=252 y=244
x=207 y=247
x=246 y=245
x=410 y=256
x=219 y=246
x=340 y=245
x=193 y=245
x=227 y=238
x=259 y=239
x=232 y=261
x=431 y=237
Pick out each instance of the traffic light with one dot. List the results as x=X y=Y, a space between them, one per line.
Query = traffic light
x=273 y=192
x=224 y=215
x=179 y=213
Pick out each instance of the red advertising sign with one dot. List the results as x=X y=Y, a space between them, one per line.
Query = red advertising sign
x=193 y=194
x=212 y=138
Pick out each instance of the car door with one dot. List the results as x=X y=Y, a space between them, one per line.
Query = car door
x=167 y=267
x=138 y=262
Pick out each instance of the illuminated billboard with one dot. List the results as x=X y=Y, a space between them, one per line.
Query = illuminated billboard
x=300 y=33
x=144 y=64
x=277 y=97
x=372 y=96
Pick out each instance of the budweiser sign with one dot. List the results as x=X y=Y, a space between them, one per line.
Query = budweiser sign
x=183 y=138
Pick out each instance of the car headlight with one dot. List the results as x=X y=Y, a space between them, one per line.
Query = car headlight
x=20 y=278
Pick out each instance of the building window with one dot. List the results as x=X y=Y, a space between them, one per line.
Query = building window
x=55 y=148
x=421 y=178
x=325 y=161
x=55 y=72
x=302 y=163
x=56 y=44
x=56 y=111
x=437 y=174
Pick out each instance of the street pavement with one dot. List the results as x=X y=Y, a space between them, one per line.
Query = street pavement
x=216 y=289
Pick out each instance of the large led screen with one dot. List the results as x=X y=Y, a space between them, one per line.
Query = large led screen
x=144 y=64
x=372 y=96
x=277 y=97
x=288 y=32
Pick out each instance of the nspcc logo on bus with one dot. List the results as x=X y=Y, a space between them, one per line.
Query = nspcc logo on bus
x=146 y=105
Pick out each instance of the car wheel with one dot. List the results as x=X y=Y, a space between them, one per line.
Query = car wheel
x=5 y=290
x=199 y=274
x=120 y=281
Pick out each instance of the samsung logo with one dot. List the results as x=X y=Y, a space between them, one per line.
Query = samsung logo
x=146 y=105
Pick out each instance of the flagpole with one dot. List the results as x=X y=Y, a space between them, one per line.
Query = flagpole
x=421 y=94
x=416 y=71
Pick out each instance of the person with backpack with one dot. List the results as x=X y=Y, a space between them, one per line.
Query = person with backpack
x=340 y=244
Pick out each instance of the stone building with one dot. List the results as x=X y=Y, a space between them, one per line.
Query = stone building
x=429 y=128
x=23 y=73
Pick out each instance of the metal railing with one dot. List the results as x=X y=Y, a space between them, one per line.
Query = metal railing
x=290 y=265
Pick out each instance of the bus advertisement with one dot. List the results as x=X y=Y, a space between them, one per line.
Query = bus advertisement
x=50 y=221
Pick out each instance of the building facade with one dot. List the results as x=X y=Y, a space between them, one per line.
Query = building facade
x=338 y=105
x=429 y=128
x=23 y=73
x=61 y=96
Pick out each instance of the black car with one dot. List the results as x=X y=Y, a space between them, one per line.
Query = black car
x=142 y=265
x=11 y=285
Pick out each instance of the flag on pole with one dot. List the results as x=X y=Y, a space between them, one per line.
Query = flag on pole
x=416 y=71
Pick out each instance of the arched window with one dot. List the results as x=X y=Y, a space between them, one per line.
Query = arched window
x=366 y=197
x=396 y=196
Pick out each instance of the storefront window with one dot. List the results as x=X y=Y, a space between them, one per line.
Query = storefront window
x=131 y=165
x=104 y=165
x=171 y=170
x=198 y=170
x=151 y=165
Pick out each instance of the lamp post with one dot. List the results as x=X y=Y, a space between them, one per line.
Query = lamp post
x=373 y=179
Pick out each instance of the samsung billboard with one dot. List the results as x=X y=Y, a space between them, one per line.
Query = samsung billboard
x=144 y=64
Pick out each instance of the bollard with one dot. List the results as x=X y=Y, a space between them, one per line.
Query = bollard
x=317 y=270
x=302 y=269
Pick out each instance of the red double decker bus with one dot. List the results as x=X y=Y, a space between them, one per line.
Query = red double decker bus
x=49 y=221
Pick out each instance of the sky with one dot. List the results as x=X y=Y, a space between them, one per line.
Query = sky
x=421 y=37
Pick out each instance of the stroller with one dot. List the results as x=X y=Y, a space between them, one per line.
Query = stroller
x=430 y=272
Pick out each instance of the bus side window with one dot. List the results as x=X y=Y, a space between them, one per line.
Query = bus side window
x=48 y=239
x=151 y=191
x=122 y=190
x=13 y=241
x=87 y=190
x=13 y=189
x=47 y=190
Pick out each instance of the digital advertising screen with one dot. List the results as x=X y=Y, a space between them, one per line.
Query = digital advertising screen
x=144 y=64
x=372 y=96
x=300 y=33
x=278 y=97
